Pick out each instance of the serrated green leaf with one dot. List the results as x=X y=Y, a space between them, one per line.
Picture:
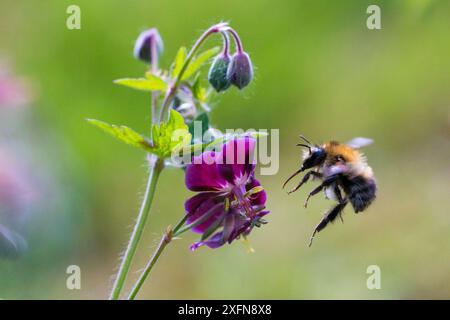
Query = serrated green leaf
x=170 y=136
x=178 y=62
x=151 y=83
x=197 y=63
x=124 y=134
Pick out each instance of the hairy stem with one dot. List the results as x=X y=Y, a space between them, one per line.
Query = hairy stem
x=154 y=69
x=171 y=92
x=165 y=240
x=226 y=44
x=199 y=221
x=156 y=166
x=237 y=40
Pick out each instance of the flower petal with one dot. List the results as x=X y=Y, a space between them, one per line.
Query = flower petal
x=237 y=160
x=200 y=205
x=203 y=174
x=241 y=225
x=194 y=202
x=214 y=242
x=229 y=225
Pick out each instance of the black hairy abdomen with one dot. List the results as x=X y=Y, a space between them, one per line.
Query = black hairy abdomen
x=360 y=191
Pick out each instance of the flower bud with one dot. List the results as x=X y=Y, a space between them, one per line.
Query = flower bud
x=240 y=70
x=144 y=43
x=217 y=75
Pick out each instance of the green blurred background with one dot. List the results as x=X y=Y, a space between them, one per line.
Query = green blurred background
x=319 y=71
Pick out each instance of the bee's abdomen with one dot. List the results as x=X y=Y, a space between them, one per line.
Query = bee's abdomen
x=360 y=192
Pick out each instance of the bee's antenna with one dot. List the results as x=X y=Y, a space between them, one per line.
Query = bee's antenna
x=303 y=145
x=293 y=175
x=306 y=140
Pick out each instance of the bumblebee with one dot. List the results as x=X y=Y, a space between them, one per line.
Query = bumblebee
x=344 y=174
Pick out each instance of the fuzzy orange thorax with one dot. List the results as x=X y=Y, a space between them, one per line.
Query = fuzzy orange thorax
x=335 y=149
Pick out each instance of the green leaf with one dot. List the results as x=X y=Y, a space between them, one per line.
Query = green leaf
x=156 y=80
x=196 y=64
x=198 y=91
x=179 y=60
x=124 y=134
x=170 y=136
x=151 y=83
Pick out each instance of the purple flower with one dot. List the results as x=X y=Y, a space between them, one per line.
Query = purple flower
x=144 y=44
x=240 y=70
x=231 y=201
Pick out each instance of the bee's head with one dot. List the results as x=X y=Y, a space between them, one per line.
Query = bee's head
x=314 y=156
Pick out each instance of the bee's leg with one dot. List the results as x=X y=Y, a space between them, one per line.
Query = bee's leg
x=292 y=176
x=324 y=184
x=316 y=174
x=328 y=217
x=312 y=193
x=305 y=179
x=338 y=194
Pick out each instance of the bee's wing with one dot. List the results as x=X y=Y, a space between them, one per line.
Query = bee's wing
x=359 y=142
